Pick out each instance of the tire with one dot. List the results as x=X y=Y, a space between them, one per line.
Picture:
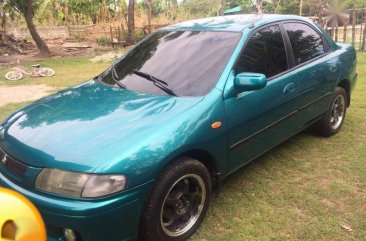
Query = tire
x=177 y=203
x=13 y=75
x=333 y=119
x=46 y=72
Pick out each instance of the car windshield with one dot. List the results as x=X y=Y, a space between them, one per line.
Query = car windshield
x=189 y=62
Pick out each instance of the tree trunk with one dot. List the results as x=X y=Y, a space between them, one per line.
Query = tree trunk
x=259 y=6
x=65 y=10
x=148 y=4
x=28 y=15
x=219 y=8
x=103 y=12
x=277 y=7
x=3 y=22
x=3 y=38
x=131 y=22
x=94 y=19
x=300 y=11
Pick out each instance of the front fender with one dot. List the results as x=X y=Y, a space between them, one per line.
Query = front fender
x=190 y=130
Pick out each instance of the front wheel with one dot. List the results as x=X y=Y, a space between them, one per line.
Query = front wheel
x=333 y=119
x=46 y=72
x=13 y=75
x=177 y=203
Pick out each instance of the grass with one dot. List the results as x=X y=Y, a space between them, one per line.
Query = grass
x=69 y=71
x=305 y=189
x=10 y=108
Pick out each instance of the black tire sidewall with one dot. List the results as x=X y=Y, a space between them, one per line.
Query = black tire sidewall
x=324 y=126
x=150 y=228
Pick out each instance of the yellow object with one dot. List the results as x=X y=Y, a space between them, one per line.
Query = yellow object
x=19 y=218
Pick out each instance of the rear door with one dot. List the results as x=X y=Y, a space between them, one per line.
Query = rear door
x=316 y=67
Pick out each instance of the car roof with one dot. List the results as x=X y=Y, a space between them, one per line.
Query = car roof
x=234 y=23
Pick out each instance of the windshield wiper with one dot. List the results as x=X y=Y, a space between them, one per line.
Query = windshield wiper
x=157 y=82
x=115 y=77
x=149 y=77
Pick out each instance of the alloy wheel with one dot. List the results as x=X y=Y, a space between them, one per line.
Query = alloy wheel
x=337 y=112
x=183 y=205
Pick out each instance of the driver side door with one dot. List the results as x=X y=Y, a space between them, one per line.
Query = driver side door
x=261 y=119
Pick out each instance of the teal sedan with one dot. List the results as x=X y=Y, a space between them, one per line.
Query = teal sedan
x=138 y=151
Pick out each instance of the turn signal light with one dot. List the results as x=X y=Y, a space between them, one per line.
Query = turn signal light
x=216 y=125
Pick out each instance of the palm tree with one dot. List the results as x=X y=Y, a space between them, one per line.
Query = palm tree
x=334 y=15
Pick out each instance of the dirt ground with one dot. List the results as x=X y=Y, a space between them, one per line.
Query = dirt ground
x=23 y=93
x=57 y=50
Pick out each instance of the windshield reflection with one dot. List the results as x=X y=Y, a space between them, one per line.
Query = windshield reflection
x=191 y=62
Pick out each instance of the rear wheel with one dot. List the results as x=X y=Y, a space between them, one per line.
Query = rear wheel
x=46 y=72
x=13 y=75
x=333 y=119
x=178 y=202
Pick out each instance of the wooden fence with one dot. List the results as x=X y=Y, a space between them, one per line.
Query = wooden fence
x=115 y=34
x=118 y=35
x=354 y=32
x=65 y=32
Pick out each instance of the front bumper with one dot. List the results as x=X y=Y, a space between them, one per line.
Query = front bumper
x=113 y=219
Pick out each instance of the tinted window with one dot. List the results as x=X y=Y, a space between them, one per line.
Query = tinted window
x=305 y=41
x=191 y=62
x=264 y=53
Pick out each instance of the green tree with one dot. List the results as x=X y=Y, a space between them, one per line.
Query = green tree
x=56 y=10
x=88 y=8
x=28 y=8
x=201 y=8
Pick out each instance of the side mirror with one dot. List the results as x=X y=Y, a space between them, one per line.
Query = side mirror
x=250 y=81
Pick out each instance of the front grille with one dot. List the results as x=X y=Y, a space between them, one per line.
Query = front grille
x=11 y=165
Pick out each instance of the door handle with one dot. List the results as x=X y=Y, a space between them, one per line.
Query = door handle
x=289 y=89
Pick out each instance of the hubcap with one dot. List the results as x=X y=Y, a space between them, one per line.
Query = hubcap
x=337 y=114
x=183 y=205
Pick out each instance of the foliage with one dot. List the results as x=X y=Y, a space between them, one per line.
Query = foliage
x=201 y=8
x=156 y=12
x=104 y=41
x=55 y=11
x=85 y=7
x=20 y=5
x=61 y=12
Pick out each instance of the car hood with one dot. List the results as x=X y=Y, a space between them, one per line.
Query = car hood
x=80 y=128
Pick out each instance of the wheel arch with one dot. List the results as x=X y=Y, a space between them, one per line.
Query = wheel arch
x=203 y=156
x=346 y=85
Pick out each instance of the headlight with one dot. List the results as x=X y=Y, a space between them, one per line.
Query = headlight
x=76 y=184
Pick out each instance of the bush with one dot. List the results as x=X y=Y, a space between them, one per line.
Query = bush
x=139 y=35
x=104 y=41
